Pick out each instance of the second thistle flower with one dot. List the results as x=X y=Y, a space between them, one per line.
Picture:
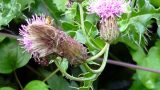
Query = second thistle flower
x=108 y=11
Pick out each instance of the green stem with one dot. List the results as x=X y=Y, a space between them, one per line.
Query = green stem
x=83 y=28
x=34 y=71
x=53 y=73
x=72 y=77
x=99 y=54
x=133 y=2
x=18 y=81
x=10 y=35
x=82 y=20
x=103 y=63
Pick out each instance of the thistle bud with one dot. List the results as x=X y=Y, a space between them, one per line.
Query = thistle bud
x=108 y=11
x=41 y=40
x=109 y=29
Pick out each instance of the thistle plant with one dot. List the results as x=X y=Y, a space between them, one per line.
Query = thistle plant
x=74 y=39
x=43 y=40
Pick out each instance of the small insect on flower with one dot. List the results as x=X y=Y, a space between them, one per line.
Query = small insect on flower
x=41 y=39
x=48 y=20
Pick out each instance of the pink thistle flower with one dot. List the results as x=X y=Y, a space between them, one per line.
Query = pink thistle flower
x=107 y=8
x=28 y=39
x=42 y=40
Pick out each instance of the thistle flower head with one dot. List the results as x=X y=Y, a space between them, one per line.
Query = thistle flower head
x=107 y=8
x=29 y=39
x=41 y=40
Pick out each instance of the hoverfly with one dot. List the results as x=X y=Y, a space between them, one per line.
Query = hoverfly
x=48 y=20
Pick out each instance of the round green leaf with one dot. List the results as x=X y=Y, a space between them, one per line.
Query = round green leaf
x=36 y=85
x=58 y=83
x=12 y=56
x=6 y=88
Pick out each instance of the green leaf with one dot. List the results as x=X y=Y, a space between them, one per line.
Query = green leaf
x=137 y=85
x=157 y=84
x=7 y=88
x=61 y=4
x=39 y=7
x=87 y=84
x=151 y=60
x=92 y=18
x=36 y=85
x=8 y=11
x=71 y=12
x=80 y=37
x=67 y=26
x=25 y=3
x=53 y=10
x=156 y=3
x=58 y=83
x=91 y=29
x=136 y=24
x=12 y=56
x=2 y=38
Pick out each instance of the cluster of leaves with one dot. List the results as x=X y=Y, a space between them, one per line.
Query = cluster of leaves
x=135 y=30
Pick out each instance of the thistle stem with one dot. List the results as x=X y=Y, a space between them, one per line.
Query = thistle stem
x=9 y=35
x=133 y=2
x=103 y=62
x=82 y=20
x=83 y=28
x=72 y=77
x=50 y=75
x=137 y=67
x=34 y=71
x=18 y=81
x=99 y=54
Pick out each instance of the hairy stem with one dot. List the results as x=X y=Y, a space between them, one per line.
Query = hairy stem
x=50 y=75
x=119 y=63
x=103 y=62
x=83 y=28
x=34 y=71
x=18 y=81
x=99 y=54
x=72 y=77
x=9 y=35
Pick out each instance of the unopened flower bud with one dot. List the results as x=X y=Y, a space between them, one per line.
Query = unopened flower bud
x=109 y=29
